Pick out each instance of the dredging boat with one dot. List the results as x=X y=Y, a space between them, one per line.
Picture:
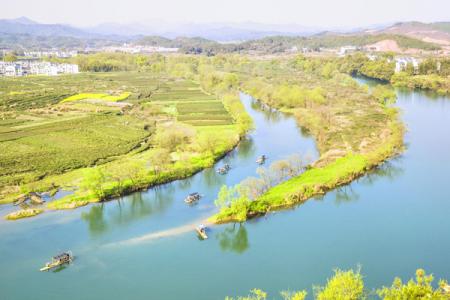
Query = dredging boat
x=260 y=160
x=191 y=198
x=201 y=230
x=58 y=260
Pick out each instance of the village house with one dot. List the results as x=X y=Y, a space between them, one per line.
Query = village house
x=347 y=49
x=30 y=67
x=51 y=53
x=401 y=63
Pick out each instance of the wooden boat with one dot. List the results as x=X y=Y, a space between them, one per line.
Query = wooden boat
x=191 y=198
x=58 y=260
x=224 y=170
x=261 y=159
x=201 y=230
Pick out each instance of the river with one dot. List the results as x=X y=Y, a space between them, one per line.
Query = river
x=389 y=222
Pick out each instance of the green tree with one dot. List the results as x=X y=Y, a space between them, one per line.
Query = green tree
x=288 y=295
x=255 y=294
x=344 y=285
x=421 y=288
x=10 y=57
x=93 y=181
x=384 y=95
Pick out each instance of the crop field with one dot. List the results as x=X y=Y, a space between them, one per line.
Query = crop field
x=62 y=120
x=66 y=144
x=193 y=106
x=42 y=91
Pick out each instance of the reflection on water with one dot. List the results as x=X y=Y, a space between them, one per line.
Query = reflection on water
x=345 y=194
x=390 y=169
x=246 y=148
x=212 y=178
x=128 y=209
x=233 y=238
x=95 y=219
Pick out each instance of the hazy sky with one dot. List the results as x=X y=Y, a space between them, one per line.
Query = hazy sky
x=323 y=13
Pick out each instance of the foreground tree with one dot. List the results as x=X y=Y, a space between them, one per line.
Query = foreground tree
x=344 y=285
x=421 y=288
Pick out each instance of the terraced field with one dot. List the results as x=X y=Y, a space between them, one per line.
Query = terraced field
x=193 y=106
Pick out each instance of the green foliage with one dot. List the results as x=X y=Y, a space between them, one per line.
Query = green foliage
x=174 y=137
x=380 y=69
x=94 y=181
x=384 y=94
x=349 y=285
x=232 y=203
x=421 y=288
x=237 y=110
x=427 y=82
x=288 y=295
x=23 y=213
x=344 y=285
x=432 y=74
x=10 y=57
x=255 y=294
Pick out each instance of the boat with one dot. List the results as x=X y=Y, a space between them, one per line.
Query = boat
x=224 y=170
x=261 y=159
x=193 y=197
x=201 y=230
x=58 y=260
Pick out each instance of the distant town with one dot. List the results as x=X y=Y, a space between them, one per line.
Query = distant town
x=29 y=67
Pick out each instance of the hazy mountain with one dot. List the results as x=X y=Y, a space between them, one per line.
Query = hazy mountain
x=24 y=25
x=438 y=33
x=214 y=31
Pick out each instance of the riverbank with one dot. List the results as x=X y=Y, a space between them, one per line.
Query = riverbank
x=432 y=74
x=350 y=142
x=318 y=180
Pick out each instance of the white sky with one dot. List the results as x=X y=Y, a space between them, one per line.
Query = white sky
x=321 y=13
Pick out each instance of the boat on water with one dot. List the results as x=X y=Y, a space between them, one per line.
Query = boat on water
x=260 y=160
x=224 y=170
x=193 y=197
x=201 y=230
x=58 y=260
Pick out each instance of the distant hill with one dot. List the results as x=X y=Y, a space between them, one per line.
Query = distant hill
x=224 y=32
x=23 y=33
x=26 y=26
x=438 y=33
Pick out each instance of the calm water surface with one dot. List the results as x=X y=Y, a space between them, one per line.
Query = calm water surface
x=390 y=222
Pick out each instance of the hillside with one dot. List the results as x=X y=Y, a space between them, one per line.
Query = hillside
x=438 y=33
x=26 y=26
x=23 y=33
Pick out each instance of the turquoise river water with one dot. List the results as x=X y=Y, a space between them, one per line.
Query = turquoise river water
x=389 y=222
